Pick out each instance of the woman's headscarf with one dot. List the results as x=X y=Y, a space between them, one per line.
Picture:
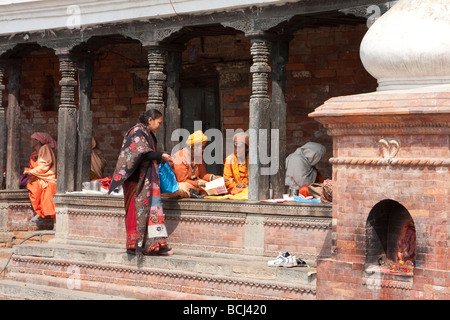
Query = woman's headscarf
x=300 y=164
x=45 y=138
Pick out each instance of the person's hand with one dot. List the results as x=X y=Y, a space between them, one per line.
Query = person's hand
x=167 y=157
x=201 y=184
x=26 y=172
x=241 y=185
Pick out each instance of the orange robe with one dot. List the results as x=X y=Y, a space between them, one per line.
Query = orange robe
x=236 y=173
x=304 y=189
x=188 y=175
x=42 y=182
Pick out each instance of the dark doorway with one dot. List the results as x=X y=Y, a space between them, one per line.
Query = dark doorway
x=199 y=102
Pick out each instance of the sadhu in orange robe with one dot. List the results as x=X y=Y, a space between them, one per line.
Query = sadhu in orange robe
x=236 y=169
x=236 y=172
x=42 y=182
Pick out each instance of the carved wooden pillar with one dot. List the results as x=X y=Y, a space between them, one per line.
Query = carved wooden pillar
x=67 y=124
x=258 y=118
x=14 y=70
x=156 y=54
x=279 y=55
x=173 y=114
x=2 y=126
x=84 y=127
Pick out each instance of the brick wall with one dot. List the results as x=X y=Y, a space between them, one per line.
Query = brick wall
x=323 y=63
x=118 y=97
x=39 y=98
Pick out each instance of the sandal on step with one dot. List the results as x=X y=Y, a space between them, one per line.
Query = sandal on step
x=163 y=252
x=36 y=219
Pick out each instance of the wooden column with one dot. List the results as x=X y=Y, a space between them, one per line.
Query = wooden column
x=84 y=127
x=258 y=118
x=279 y=55
x=2 y=127
x=67 y=124
x=156 y=54
x=173 y=114
x=14 y=70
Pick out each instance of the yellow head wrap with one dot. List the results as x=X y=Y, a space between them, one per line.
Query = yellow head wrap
x=196 y=138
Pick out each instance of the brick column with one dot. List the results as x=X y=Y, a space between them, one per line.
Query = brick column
x=258 y=117
x=67 y=124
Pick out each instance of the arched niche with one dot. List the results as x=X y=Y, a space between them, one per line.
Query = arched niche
x=390 y=238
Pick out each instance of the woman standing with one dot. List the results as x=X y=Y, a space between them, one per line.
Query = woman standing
x=42 y=175
x=137 y=171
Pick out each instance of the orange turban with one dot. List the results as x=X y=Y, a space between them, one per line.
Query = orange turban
x=196 y=138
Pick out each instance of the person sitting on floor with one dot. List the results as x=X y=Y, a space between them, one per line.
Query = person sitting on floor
x=42 y=175
x=98 y=162
x=189 y=168
x=300 y=167
x=236 y=165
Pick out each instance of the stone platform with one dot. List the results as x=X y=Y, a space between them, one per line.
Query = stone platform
x=221 y=249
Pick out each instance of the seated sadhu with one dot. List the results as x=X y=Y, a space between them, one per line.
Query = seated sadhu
x=41 y=171
x=236 y=165
x=98 y=162
x=189 y=168
x=300 y=167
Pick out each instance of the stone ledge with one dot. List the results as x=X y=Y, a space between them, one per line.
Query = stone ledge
x=244 y=206
x=429 y=104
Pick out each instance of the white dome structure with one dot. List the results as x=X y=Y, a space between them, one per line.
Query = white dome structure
x=409 y=46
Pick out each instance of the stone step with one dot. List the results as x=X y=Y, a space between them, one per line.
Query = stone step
x=16 y=237
x=39 y=236
x=21 y=290
x=15 y=290
x=222 y=264
x=5 y=255
x=185 y=273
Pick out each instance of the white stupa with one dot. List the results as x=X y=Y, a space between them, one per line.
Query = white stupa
x=409 y=46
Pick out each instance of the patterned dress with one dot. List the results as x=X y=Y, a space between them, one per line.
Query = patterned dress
x=138 y=173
